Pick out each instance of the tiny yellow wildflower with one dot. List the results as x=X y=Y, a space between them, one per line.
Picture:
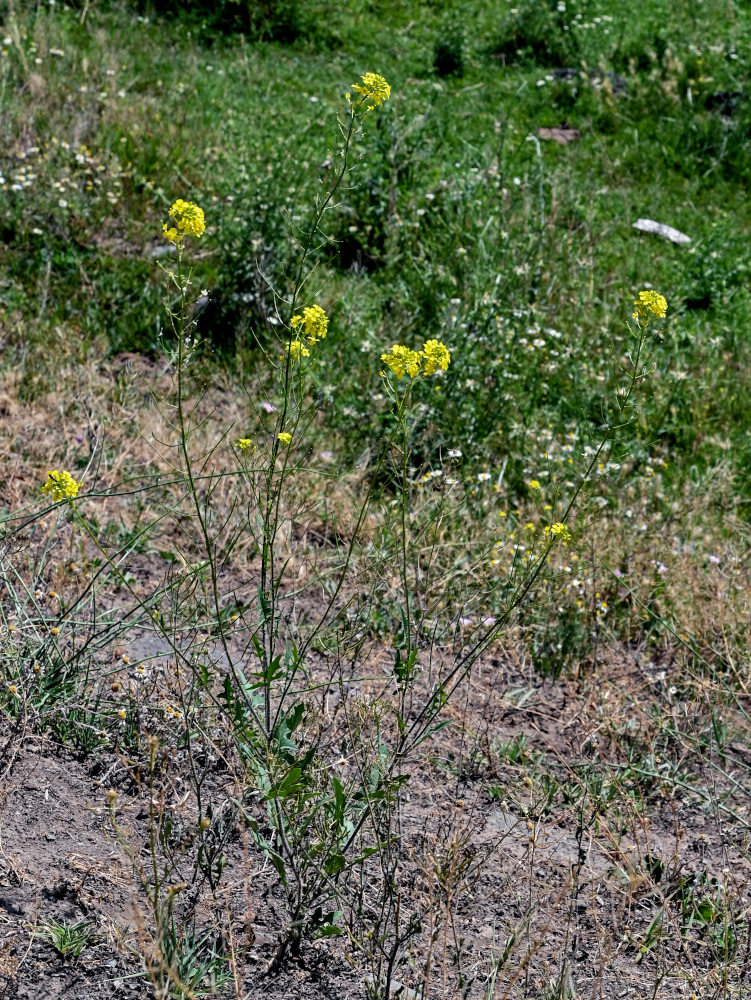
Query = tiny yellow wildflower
x=437 y=357
x=314 y=323
x=373 y=90
x=244 y=443
x=402 y=361
x=559 y=531
x=188 y=219
x=61 y=485
x=650 y=303
x=297 y=350
x=285 y=438
x=534 y=484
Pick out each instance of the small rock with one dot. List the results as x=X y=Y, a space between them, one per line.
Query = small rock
x=660 y=229
x=562 y=134
x=398 y=990
x=37 y=85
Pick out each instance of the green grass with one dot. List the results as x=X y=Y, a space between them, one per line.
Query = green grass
x=68 y=939
x=457 y=222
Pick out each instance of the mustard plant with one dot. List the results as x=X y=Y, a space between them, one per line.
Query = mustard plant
x=317 y=828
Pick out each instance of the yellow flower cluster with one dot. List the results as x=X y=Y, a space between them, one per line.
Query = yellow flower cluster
x=244 y=443
x=436 y=356
x=61 y=486
x=188 y=221
x=373 y=91
x=285 y=438
x=650 y=303
x=558 y=531
x=297 y=350
x=314 y=323
x=403 y=361
x=312 y=326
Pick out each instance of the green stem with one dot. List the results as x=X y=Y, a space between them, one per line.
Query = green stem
x=403 y=514
x=275 y=482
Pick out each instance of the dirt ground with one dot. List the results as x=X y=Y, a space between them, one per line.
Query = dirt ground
x=60 y=861
x=575 y=838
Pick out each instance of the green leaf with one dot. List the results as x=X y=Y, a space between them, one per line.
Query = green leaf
x=335 y=863
x=339 y=799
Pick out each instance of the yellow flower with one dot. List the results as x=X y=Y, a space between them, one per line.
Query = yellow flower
x=437 y=357
x=373 y=90
x=244 y=443
x=285 y=438
x=402 y=361
x=314 y=323
x=650 y=303
x=559 y=531
x=61 y=485
x=188 y=219
x=297 y=350
x=534 y=484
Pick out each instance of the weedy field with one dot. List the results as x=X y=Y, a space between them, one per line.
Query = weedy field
x=375 y=552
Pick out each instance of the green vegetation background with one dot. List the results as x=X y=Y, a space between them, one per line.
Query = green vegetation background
x=458 y=222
